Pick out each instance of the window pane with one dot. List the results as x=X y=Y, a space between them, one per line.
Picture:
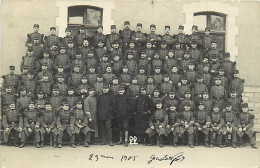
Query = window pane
x=92 y=17
x=76 y=15
x=200 y=21
x=216 y=23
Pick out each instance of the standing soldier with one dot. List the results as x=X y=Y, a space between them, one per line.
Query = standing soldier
x=132 y=64
x=31 y=37
x=92 y=75
x=79 y=61
x=229 y=66
x=103 y=64
x=100 y=50
x=166 y=86
x=59 y=74
x=183 y=88
x=114 y=87
x=207 y=102
x=117 y=65
x=47 y=61
x=199 y=88
x=53 y=38
x=139 y=37
x=90 y=109
x=218 y=93
x=149 y=50
x=105 y=110
x=156 y=62
x=65 y=123
x=12 y=124
x=157 y=123
x=62 y=59
x=213 y=50
x=91 y=60
x=81 y=36
x=235 y=102
x=141 y=76
x=171 y=100
x=99 y=84
x=125 y=76
x=31 y=125
x=54 y=50
x=245 y=126
x=236 y=84
x=108 y=75
x=68 y=37
x=214 y=64
x=153 y=37
x=37 y=48
x=111 y=38
x=145 y=62
x=116 y=50
x=75 y=77
x=84 y=49
x=7 y=96
x=31 y=85
x=157 y=76
x=62 y=86
x=202 y=124
x=143 y=112
x=175 y=77
x=191 y=73
x=217 y=122
x=30 y=61
x=195 y=36
x=206 y=40
x=82 y=89
x=11 y=80
x=23 y=101
x=181 y=37
x=132 y=49
x=45 y=85
x=71 y=50
x=55 y=99
x=99 y=36
x=178 y=51
x=167 y=37
x=206 y=75
x=187 y=124
x=126 y=35
x=72 y=99
x=163 y=51
x=195 y=53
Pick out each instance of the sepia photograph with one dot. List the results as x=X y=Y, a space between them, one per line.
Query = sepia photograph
x=130 y=84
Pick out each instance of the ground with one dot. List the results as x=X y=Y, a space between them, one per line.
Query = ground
x=67 y=157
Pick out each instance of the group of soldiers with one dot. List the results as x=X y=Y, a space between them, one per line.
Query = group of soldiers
x=160 y=88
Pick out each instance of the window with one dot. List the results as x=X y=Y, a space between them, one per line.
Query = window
x=216 y=22
x=88 y=16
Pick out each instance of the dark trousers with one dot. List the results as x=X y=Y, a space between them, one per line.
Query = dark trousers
x=36 y=134
x=190 y=138
x=106 y=130
x=52 y=137
x=252 y=139
x=233 y=137
x=218 y=137
x=197 y=135
x=13 y=133
x=86 y=137
x=60 y=137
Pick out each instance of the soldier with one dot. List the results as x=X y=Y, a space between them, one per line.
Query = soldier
x=90 y=109
x=229 y=66
x=167 y=37
x=117 y=65
x=132 y=64
x=72 y=99
x=183 y=88
x=178 y=51
x=62 y=60
x=245 y=126
x=111 y=38
x=191 y=73
x=54 y=50
x=195 y=53
x=235 y=102
x=55 y=99
x=65 y=124
x=195 y=37
x=48 y=125
x=91 y=60
x=92 y=75
x=30 y=61
x=31 y=37
x=75 y=76
x=145 y=63
x=213 y=50
x=24 y=76
x=199 y=88
x=85 y=48
x=157 y=76
x=114 y=87
x=22 y=102
x=206 y=101
x=81 y=121
x=166 y=86
x=204 y=61
x=99 y=84
x=157 y=123
x=99 y=36
x=206 y=40
x=133 y=50
x=187 y=124
x=126 y=35
x=153 y=37
x=163 y=51
x=71 y=50
x=122 y=115
x=40 y=102
x=222 y=76
x=236 y=84
x=156 y=62
x=116 y=50
x=171 y=99
x=156 y=96
x=218 y=93
x=7 y=96
x=104 y=63
x=214 y=64
x=175 y=77
x=170 y=62
x=188 y=98
x=61 y=73
x=149 y=50
x=79 y=61
x=143 y=112
x=37 y=48
x=100 y=50
x=81 y=36
x=82 y=89
x=68 y=37
x=108 y=75
x=45 y=85
x=202 y=124
x=62 y=86
x=141 y=76
x=52 y=38
x=206 y=75
x=12 y=124
x=181 y=37
x=217 y=122
x=31 y=85
x=184 y=63
x=11 y=80
x=150 y=86
x=230 y=126
x=125 y=77
x=31 y=125
x=105 y=110
x=173 y=126
x=139 y=37
x=47 y=61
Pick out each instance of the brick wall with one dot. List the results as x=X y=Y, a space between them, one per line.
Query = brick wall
x=251 y=96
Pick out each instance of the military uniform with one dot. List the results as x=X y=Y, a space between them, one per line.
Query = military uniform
x=229 y=66
x=92 y=78
x=169 y=63
x=139 y=38
x=99 y=37
x=158 y=78
x=62 y=60
x=117 y=67
x=71 y=51
x=218 y=95
x=31 y=86
x=81 y=63
x=125 y=78
x=30 y=62
x=80 y=37
x=65 y=40
x=49 y=40
x=84 y=50
x=142 y=79
x=146 y=64
x=230 y=126
x=45 y=87
x=165 y=87
x=47 y=62
x=38 y=51
x=125 y=35
x=22 y=103
x=150 y=53
x=217 y=122
x=173 y=126
x=163 y=54
x=11 y=80
x=55 y=101
x=178 y=54
x=98 y=87
x=199 y=88
x=169 y=40
x=111 y=38
x=132 y=66
x=237 y=84
x=108 y=76
x=35 y=35
x=75 y=79
x=103 y=66
x=181 y=37
x=196 y=55
x=175 y=78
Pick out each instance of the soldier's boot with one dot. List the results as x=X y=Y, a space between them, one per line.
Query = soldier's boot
x=59 y=137
x=37 y=145
x=190 y=140
x=234 y=145
x=72 y=140
x=87 y=139
x=254 y=146
x=120 y=138
x=79 y=139
x=161 y=141
x=109 y=136
x=37 y=139
x=175 y=140
x=22 y=145
x=51 y=140
x=206 y=144
x=59 y=145
x=219 y=140
x=23 y=138
x=252 y=141
x=196 y=138
x=126 y=139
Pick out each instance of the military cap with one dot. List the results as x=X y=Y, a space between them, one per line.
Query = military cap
x=91 y=66
x=228 y=104
x=70 y=41
x=113 y=26
x=193 y=41
x=105 y=86
x=157 y=67
x=214 y=56
x=171 y=105
x=100 y=76
x=52 y=28
x=186 y=52
x=143 y=88
x=47 y=102
x=236 y=71
x=148 y=41
x=181 y=27
x=36 y=25
x=213 y=41
x=227 y=55
x=100 y=26
x=60 y=66
x=191 y=63
x=158 y=102
x=201 y=103
x=150 y=76
x=139 y=24
x=25 y=67
x=177 y=43
x=22 y=88
x=131 y=41
x=204 y=65
x=12 y=67
x=79 y=102
x=61 y=76
x=62 y=47
x=166 y=76
x=81 y=27
x=30 y=72
x=244 y=105
x=171 y=92
x=233 y=91
x=32 y=102
x=116 y=42
x=105 y=55
x=152 y=25
x=121 y=87
x=76 y=65
x=55 y=88
x=91 y=89
x=205 y=92
x=65 y=103
x=217 y=78
x=184 y=78
x=156 y=90
x=83 y=77
x=215 y=105
x=188 y=92
x=12 y=102
x=187 y=104
x=207 y=29
x=167 y=26
x=199 y=76
x=114 y=77
x=142 y=67
x=125 y=66
x=163 y=42
x=36 y=38
x=130 y=53
x=46 y=52
x=55 y=43
x=221 y=68
x=126 y=23
x=195 y=27
x=30 y=49
x=71 y=88
x=143 y=52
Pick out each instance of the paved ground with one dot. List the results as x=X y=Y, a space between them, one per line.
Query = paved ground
x=67 y=157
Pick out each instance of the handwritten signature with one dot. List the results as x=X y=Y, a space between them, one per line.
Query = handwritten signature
x=176 y=158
